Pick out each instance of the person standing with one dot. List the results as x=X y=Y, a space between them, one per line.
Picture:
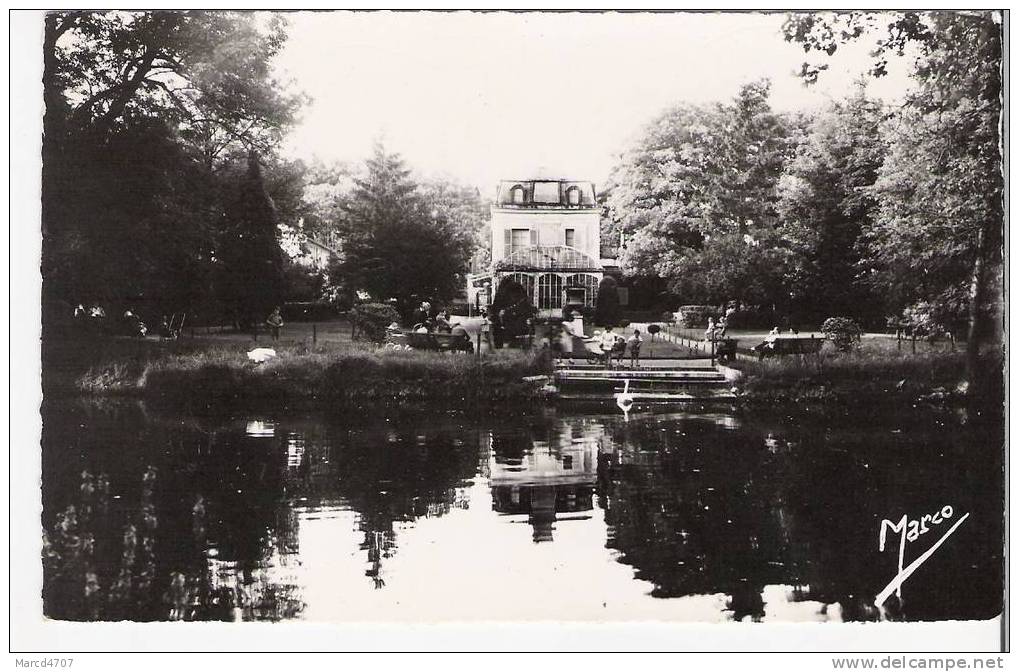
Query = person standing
x=607 y=343
x=634 y=343
x=275 y=323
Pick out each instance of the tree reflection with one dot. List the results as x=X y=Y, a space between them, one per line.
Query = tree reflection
x=389 y=475
x=200 y=520
x=695 y=511
x=191 y=539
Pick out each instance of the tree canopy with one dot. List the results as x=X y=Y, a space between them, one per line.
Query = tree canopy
x=698 y=197
x=935 y=239
x=861 y=209
x=825 y=205
x=149 y=120
x=401 y=241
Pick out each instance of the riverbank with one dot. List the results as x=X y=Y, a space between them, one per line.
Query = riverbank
x=208 y=371
x=199 y=371
x=865 y=377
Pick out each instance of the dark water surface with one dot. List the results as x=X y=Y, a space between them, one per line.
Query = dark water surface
x=707 y=515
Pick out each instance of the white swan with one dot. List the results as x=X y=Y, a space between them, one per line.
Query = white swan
x=624 y=400
x=260 y=355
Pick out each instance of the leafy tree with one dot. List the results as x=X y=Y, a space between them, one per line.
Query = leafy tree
x=656 y=194
x=464 y=209
x=606 y=308
x=372 y=319
x=843 y=332
x=252 y=258
x=824 y=206
x=145 y=114
x=206 y=73
x=751 y=144
x=327 y=188
x=511 y=309
x=394 y=243
x=698 y=199
x=938 y=230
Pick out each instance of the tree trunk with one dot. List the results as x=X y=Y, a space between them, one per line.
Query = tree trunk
x=977 y=294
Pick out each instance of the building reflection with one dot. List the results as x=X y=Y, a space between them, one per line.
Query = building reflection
x=549 y=480
x=201 y=520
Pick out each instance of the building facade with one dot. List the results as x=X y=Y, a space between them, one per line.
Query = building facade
x=546 y=236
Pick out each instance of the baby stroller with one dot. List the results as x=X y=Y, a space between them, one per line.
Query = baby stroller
x=595 y=355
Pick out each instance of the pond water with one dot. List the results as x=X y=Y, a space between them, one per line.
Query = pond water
x=525 y=514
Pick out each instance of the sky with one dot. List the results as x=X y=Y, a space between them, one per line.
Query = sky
x=482 y=97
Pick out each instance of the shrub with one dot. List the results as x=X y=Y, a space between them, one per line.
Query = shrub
x=371 y=319
x=606 y=310
x=843 y=332
x=645 y=316
x=512 y=308
x=753 y=318
x=697 y=316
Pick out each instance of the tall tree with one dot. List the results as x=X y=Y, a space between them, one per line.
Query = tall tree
x=395 y=244
x=145 y=111
x=937 y=236
x=462 y=207
x=250 y=252
x=697 y=199
x=825 y=205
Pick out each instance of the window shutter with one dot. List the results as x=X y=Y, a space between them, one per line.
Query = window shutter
x=534 y=237
x=507 y=242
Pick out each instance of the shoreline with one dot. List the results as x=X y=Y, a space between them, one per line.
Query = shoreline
x=205 y=373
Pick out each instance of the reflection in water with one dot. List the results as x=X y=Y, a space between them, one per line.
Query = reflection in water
x=543 y=479
x=528 y=516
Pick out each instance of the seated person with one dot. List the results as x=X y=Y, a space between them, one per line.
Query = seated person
x=619 y=349
x=607 y=341
x=459 y=332
x=442 y=325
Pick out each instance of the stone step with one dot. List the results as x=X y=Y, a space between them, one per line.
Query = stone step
x=655 y=397
x=618 y=386
x=595 y=374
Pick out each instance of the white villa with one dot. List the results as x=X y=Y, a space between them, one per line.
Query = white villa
x=546 y=235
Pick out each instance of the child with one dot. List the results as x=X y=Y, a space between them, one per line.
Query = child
x=607 y=341
x=275 y=322
x=634 y=343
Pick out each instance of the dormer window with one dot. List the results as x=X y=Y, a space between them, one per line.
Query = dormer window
x=573 y=196
x=517 y=195
x=546 y=193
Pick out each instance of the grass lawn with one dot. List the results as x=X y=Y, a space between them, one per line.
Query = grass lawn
x=331 y=333
x=871 y=342
x=213 y=365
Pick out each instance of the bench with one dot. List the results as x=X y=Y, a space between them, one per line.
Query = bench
x=788 y=346
x=439 y=341
x=725 y=349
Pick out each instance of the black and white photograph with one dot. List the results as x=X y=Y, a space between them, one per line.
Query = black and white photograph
x=673 y=321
